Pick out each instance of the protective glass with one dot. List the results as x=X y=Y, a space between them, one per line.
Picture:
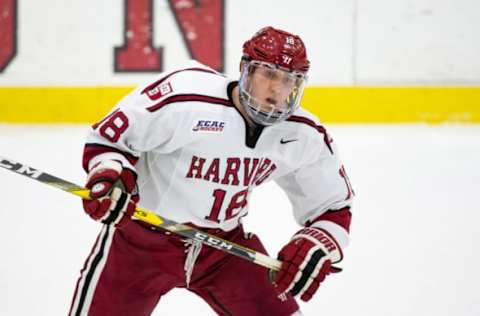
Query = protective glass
x=268 y=93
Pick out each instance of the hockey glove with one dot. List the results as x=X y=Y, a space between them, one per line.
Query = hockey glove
x=113 y=193
x=307 y=260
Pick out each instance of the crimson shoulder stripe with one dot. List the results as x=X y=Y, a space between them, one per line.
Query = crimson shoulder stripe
x=158 y=82
x=319 y=128
x=92 y=150
x=189 y=98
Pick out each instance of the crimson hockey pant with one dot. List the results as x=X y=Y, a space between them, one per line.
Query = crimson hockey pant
x=129 y=269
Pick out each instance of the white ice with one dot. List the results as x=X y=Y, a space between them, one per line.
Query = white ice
x=414 y=233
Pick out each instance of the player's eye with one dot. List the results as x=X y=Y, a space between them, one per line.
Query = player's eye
x=289 y=80
x=269 y=73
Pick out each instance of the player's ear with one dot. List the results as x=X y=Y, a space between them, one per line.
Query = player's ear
x=242 y=65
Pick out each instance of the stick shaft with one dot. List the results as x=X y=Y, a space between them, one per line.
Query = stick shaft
x=147 y=216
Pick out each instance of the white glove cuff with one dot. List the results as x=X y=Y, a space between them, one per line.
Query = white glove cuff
x=106 y=164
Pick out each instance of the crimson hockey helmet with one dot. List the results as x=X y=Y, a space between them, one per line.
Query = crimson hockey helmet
x=277 y=47
x=273 y=75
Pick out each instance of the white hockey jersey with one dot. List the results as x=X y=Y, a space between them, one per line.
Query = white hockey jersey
x=197 y=163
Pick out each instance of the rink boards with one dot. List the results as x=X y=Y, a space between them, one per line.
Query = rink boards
x=348 y=104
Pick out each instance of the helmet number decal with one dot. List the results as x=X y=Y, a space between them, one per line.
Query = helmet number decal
x=286 y=59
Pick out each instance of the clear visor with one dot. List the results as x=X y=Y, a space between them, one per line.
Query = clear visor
x=270 y=94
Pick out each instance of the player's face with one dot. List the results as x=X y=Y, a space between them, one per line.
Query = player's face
x=269 y=94
x=271 y=87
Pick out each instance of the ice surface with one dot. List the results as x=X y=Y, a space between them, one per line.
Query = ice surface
x=414 y=234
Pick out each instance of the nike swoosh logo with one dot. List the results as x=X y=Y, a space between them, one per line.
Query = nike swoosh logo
x=282 y=141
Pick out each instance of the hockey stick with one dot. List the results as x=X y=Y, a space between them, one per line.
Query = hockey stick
x=149 y=217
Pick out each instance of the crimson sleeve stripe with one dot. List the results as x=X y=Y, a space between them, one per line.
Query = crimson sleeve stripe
x=189 y=98
x=92 y=150
x=319 y=128
x=341 y=217
x=156 y=83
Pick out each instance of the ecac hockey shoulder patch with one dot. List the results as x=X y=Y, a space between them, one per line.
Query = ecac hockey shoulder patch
x=208 y=126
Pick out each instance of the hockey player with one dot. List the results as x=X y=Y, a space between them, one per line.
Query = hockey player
x=191 y=145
